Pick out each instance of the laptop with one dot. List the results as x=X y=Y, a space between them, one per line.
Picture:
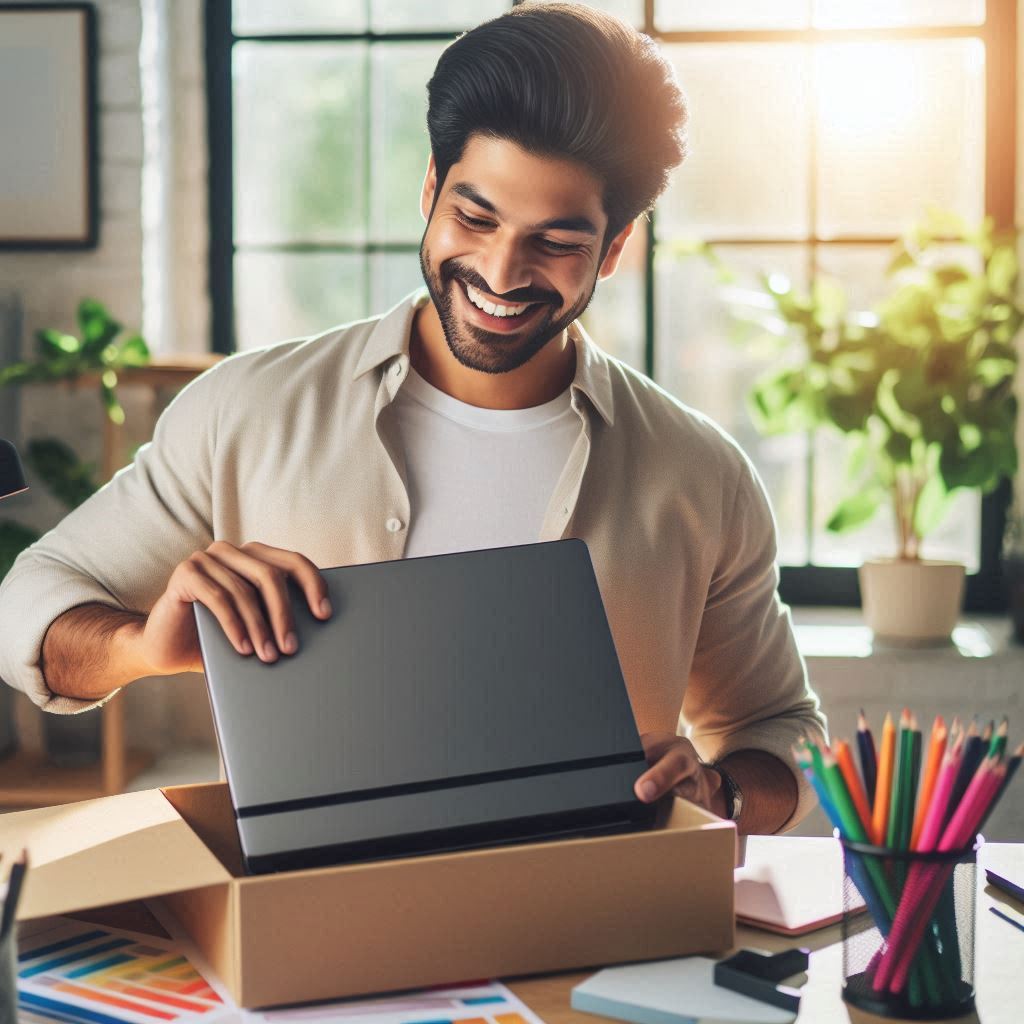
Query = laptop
x=451 y=701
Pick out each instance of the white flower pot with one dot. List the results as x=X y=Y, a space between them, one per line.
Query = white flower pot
x=910 y=602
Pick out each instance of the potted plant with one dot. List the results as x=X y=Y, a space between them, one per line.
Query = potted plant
x=922 y=387
x=103 y=346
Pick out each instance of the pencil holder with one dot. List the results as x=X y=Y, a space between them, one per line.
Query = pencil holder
x=8 y=983
x=911 y=955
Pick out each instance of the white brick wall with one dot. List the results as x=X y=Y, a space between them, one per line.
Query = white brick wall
x=50 y=285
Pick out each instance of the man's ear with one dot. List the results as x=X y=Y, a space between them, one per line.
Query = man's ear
x=429 y=187
x=611 y=257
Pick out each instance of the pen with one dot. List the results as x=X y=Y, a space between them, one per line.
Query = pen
x=13 y=894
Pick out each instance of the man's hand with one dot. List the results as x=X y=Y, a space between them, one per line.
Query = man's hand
x=246 y=588
x=676 y=766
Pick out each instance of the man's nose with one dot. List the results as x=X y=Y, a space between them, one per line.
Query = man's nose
x=505 y=268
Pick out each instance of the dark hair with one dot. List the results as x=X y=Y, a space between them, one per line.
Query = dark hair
x=565 y=81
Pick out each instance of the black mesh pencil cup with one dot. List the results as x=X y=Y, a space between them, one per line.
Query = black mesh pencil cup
x=911 y=954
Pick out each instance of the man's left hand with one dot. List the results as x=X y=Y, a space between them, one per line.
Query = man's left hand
x=674 y=765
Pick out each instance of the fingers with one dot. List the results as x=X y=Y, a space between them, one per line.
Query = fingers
x=675 y=764
x=254 y=580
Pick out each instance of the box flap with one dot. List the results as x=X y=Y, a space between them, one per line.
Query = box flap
x=111 y=850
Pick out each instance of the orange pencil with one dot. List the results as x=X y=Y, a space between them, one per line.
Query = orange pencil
x=936 y=747
x=853 y=783
x=883 y=785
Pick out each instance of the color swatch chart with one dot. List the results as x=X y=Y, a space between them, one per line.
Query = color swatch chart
x=82 y=974
x=477 y=1003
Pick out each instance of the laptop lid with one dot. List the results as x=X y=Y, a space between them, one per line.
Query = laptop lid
x=451 y=692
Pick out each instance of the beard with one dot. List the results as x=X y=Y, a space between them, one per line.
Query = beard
x=489 y=351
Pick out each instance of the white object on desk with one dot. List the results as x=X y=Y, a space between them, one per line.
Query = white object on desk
x=791 y=885
x=679 y=991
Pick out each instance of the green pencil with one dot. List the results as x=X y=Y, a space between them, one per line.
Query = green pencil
x=998 y=746
x=901 y=770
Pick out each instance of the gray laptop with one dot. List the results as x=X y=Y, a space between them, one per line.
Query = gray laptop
x=451 y=701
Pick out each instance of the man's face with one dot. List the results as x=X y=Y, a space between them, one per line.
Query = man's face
x=519 y=235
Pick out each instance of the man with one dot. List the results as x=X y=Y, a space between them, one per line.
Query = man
x=475 y=414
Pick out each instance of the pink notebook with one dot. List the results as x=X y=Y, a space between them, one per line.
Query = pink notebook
x=791 y=885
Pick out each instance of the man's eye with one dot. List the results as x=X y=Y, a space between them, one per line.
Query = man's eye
x=559 y=246
x=471 y=221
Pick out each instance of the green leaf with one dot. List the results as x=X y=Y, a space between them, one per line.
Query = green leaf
x=849 y=411
x=932 y=505
x=1002 y=271
x=98 y=327
x=134 y=351
x=14 y=538
x=855 y=510
x=109 y=398
x=960 y=467
x=898 y=447
x=52 y=344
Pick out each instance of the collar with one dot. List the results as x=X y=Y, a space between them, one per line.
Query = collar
x=389 y=341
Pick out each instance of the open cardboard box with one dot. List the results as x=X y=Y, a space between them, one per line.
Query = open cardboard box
x=383 y=925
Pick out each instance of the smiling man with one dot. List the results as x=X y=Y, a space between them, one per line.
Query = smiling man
x=476 y=413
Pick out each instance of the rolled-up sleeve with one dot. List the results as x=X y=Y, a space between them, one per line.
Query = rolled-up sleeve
x=120 y=547
x=748 y=687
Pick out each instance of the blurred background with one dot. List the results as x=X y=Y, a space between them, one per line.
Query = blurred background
x=257 y=169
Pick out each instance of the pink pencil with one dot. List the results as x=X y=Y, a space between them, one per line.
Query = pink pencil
x=936 y=812
x=975 y=803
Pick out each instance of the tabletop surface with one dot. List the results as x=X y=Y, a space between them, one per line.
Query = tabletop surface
x=999 y=958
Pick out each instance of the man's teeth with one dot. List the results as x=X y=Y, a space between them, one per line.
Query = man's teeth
x=489 y=307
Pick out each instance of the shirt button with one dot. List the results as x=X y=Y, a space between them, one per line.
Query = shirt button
x=393 y=525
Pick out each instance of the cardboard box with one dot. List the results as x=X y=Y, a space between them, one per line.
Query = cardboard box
x=384 y=925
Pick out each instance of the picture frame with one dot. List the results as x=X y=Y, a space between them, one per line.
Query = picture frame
x=48 y=159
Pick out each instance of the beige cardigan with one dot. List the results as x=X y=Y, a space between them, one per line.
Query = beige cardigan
x=295 y=445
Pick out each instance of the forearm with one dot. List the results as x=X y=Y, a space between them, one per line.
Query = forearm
x=91 y=650
x=769 y=790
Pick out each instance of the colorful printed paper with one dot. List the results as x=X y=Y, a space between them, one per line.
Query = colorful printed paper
x=79 y=973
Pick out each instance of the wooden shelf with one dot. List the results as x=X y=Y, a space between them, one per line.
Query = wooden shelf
x=30 y=779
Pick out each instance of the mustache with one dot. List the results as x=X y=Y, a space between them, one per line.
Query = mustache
x=467 y=276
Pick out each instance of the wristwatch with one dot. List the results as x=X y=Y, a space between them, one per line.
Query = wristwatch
x=733 y=793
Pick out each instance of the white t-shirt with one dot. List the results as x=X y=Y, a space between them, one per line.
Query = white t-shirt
x=479 y=478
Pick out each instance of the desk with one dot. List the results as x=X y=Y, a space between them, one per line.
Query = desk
x=999 y=959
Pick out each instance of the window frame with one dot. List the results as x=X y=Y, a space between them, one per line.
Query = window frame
x=799 y=584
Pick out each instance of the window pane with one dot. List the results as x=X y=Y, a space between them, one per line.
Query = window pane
x=615 y=316
x=631 y=11
x=290 y=295
x=699 y=360
x=900 y=125
x=885 y=13
x=265 y=17
x=415 y=15
x=299 y=151
x=393 y=275
x=400 y=145
x=688 y=15
x=746 y=175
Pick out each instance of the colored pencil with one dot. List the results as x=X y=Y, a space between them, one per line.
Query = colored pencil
x=14 y=883
x=974 y=751
x=926 y=881
x=1012 y=765
x=883 y=783
x=998 y=745
x=936 y=748
x=936 y=814
x=907 y=819
x=853 y=783
x=900 y=777
x=868 y=762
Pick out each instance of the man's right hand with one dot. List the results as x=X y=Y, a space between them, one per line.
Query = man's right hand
x=246 y=588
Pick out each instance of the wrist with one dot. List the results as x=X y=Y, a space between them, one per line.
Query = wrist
x=718 y=802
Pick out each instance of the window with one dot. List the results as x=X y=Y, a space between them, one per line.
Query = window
x=819 y=129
